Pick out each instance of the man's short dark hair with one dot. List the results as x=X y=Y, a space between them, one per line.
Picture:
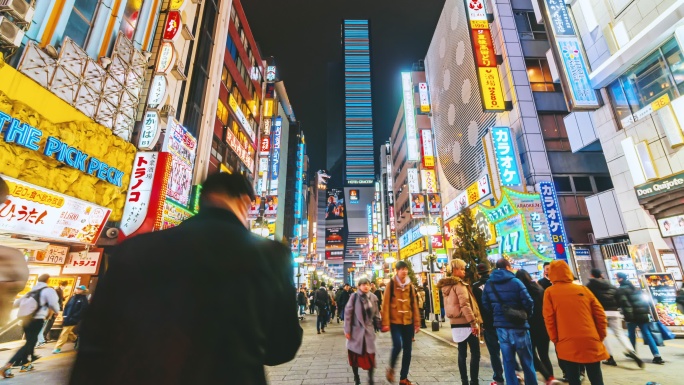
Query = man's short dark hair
x=502 y=263
x=546 y=263
x=233 y=185
x=401 y=265
x=596 y=273
x=44 y=278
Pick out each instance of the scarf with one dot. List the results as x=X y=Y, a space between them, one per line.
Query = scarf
x=367 y=307
x=402 y=285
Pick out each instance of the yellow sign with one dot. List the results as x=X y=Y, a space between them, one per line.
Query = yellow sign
x=268 y=108
x=490 y=86
x=271 y=228
x=484 y=225
x=479 y=24
x=413 y=248
x=71 y=281
x=429 y=161
x=435 y=292
x=32 y=279
x=176 y=4
x=660 y=102
x=473 y=193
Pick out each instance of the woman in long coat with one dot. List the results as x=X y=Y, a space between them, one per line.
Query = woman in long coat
x=359 y=320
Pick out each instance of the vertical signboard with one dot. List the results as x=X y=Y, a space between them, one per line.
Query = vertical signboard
x=424 y=97
x=553 y=218
x=410 y=117
x=299 y=181
x=485 y=57
x=428 y=148
x=413 y=182
x=417 y=205
x=139 y=192
x=276 y=131
x=506 y=157
x=429 y=178
x=572 y=55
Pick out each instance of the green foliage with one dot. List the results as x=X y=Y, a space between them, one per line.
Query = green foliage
x=471 y=244
x=411 y=273
x=315 y=280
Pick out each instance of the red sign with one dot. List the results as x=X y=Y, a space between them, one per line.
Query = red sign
x=265 y=147
x=173 y=25
x=483 y=47
x=437 y=241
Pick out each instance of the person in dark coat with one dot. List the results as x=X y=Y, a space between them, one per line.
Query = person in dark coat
x=301 y=301
x=72 y=315
x=545 y=283
x=166 y=311
x=538 y=334
x=344 y=298
x=322 y=302
x=606 y=294
x=504 y=291
x=637 y=314
x=488 y=329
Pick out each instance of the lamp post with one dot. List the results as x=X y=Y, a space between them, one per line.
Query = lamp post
x=299 y=261
x=430 y=230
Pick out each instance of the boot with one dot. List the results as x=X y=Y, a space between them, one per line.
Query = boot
x=357 y=379
x=390 y=374
x=610 y=361
x=636 y=358
x=371 y=380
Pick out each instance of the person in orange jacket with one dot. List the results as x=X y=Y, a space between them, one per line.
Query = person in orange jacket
x=576 y=323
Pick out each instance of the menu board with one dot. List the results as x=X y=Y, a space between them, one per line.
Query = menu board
x=36 y=211
x=671 y=265
x=664 y=293
x=53 y=254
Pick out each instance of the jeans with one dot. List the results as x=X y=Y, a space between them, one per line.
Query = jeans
x=474 y=344
x=572 y=372
x=402 y=337
x=615 y=326
x=31 y=331
x=41 y=337
x=645 y=333
x=492 y=341
x=514 y=341
x=321 y=321
x=302 y=309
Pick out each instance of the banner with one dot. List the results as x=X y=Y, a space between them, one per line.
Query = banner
x=334 y=238
x=335 y=207
x=254 y=208
x=506 y=157
x=434 y=291
x=664 y=293
x=434 y=204
x=417 y=205
x=271 y=209
x=553 y=218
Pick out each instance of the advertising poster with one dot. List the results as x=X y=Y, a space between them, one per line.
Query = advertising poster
x=254 y=208
x=173 y=214
x=394 y=245
x=434 y=204
x=271 y=208
x=417 y=206
x=664 y=293
x=643 y=258
x=354 y=196
x=335 y=205
x=334 y=238
x=671 y=226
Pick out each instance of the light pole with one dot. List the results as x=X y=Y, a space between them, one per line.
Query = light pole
x=430 y=230
x=299 y=261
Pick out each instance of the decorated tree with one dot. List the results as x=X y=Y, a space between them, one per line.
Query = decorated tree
x=470 y=244
x=411 y=273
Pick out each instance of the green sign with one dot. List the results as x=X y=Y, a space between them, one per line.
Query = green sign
x=661 y=186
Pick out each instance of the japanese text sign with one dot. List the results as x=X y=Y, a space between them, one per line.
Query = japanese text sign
x=560 y=18
x=575 y=70
x=36 y=211
x=506 y=157
x=410 y=117
x=553 y=218
x=490 y=87
x=429 y=179
x=149 y=134
x=477 y=14
x=166 y=58
x=413 y=182
x=82 y=262
x=173 y=25
x=484 y=48
x=53 y=254
x=428 y=148
x=265 y=146
x=424 y=97
x=276 y=131
x=139 y=192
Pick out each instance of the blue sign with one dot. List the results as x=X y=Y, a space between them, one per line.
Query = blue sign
x=554 y=219
x=369 y=214
x=410 y=236
x=276 y=131
x=576 y=71
x=506 y=157
x=27 y=136
x=560 y=18
x=299 y=181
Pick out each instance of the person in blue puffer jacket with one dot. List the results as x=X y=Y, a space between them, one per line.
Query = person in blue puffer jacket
x=503 y=291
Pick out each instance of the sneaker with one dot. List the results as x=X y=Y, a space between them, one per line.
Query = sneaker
x=658 y=360
x=6 y=371
x=57 y=351
x=390 y=375
x=405 y=381
x=609 y=362
x=40 y=345
x=636 y=358
x=26 y=368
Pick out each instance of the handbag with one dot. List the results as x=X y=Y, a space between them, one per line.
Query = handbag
x=512 y=315
x=656 y=333
x=667 y=334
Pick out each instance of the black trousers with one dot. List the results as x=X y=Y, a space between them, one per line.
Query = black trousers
x=474 y=343
x=542 y=361
x=31 y=331
x=572 y=372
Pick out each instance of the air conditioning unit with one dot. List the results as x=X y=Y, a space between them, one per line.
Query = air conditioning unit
x=178 y=70
x=10 y=33
x=20 y=10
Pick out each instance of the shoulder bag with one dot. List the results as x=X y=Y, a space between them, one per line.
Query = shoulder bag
x=512 y=315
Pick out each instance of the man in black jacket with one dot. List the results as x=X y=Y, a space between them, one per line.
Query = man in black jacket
x=637 y=314
x=545 y=282
x=344 y=298
x=72 y=315
x=606 y=295
x=301 y=301
x=488 y=329
x=166 y=311
x=322 y=301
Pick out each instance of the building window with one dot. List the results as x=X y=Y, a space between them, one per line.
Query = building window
x=130 y=17
x=540 y=75
x=528 y=28
x=230 y=46
x=80 y=21
x=553 y=131
x=603 y=183
x=582 y=184
x=562 y=183
x=222 y=112
x=660 y=73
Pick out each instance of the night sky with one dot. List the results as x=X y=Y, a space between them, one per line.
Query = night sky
x=304 y=35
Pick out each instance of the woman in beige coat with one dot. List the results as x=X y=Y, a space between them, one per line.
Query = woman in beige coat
x=464 y=315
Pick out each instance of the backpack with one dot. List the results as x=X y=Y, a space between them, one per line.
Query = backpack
x=29 y=305
x=321 y=302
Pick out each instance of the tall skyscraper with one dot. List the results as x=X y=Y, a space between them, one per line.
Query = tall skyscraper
x=359 y=159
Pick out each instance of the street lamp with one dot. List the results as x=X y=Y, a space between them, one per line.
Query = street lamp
x=298 y=261
x=430 y=230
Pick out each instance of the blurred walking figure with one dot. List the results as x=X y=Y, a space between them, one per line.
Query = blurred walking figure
x=166 y=311
x=333 y=305
x=488 y=329
x=322 y=301
x=301 y=301
x=33 y=308
x=401 y=317
x=420 y=296
x=637 y=314
x=13 y=269
x=464 y=315
x=605 y=293
x=576 y=324
x=73 y=313
x=343 y=299
x=507 y=299
x=44 y=335
x=538 y=334
x=361 y=316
